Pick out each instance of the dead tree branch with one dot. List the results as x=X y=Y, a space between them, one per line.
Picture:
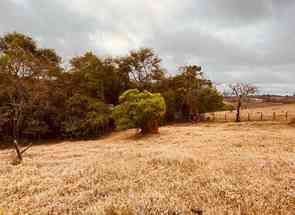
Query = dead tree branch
x=19 y=152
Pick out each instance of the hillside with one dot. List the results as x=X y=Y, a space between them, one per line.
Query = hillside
x=229 y=168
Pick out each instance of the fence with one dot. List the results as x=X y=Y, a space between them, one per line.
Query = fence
x=251 y=116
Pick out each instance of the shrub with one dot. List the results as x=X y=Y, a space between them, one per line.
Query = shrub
x=139 y=110
x=210 y=100
x=292 y=122
x=85 y=117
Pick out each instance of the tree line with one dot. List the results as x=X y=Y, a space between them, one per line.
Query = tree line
x=41 y=99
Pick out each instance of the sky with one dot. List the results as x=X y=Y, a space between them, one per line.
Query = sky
x=249 y=41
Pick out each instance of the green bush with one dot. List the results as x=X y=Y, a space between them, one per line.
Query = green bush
x=210 y=100
x=139 y=110
x=86 y=117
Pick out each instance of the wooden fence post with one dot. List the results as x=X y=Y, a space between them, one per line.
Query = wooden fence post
x=261 y=116
x=249 y=119
x=274 y=116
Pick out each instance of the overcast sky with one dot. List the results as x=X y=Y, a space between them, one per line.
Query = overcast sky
x=233 y=40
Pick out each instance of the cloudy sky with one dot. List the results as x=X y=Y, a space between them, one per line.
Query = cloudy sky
x=233 y=40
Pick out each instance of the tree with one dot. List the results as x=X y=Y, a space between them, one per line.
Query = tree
x=141 y=110
x=26 y=71
x=87 y=76
x=191 y=77
x=210 y=100
x=187 y=87
x=40 y=99
x=143 y=67
x=85 y=117
x=242 y=91
x=92 y=83
x=98 y=77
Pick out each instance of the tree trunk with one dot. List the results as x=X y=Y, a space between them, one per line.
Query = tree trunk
x=238 y=117
x=152 y=127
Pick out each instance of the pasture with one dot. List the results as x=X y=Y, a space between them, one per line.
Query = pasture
x=208 y=168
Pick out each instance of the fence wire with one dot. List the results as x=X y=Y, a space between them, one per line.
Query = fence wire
x=250 y=116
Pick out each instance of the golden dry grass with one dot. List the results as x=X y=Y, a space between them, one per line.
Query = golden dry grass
x=275 y=108
x=229 y=168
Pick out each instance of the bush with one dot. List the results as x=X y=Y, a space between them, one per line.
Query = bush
x=85 y=117
x=292 y=122
x=139 y=110
x=210 y=100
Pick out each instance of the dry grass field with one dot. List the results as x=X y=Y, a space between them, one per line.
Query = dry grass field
x=214 y=168
x=273 y=108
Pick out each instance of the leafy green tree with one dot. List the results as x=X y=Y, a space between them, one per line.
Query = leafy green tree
x=141 y=110
x=85 y=117
x=97 y=78
x=87 y=76
x=191 y=78
x=143 y=67
x=187 y=86
x=189 y=94
x=210 y=100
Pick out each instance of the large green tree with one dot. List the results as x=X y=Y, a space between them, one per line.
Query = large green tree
x=143 y=67
x=90 y=83
x=188 y=94
x=98 y=77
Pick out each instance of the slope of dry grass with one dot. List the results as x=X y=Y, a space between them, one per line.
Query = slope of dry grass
x=246 y=168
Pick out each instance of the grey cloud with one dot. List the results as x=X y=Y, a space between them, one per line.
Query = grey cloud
x=51 y=22
x=231 y=12
x=233 y=40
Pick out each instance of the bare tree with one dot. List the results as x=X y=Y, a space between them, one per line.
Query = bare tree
x=242 y=91
x=25 y=70
x=19 y=152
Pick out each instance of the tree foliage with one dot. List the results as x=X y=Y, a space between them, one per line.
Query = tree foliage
x=85 y=117
x=41 y=99
x=143 y=68
x=210 y=100
x=188 y=94
x=139 y=110
x=26 y=73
